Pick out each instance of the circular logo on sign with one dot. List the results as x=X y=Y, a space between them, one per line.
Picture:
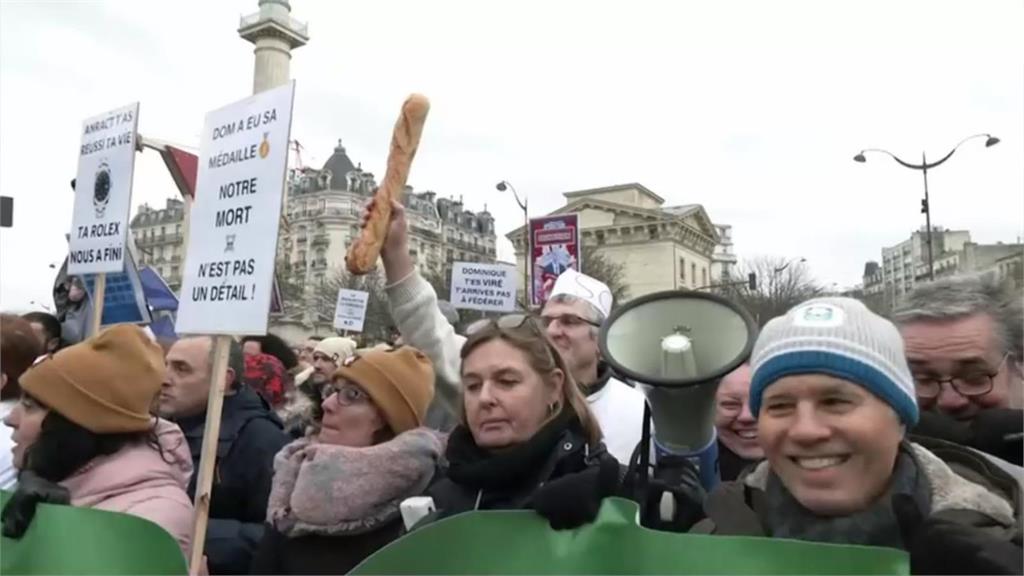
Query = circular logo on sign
x=101 y=189
x=265 y=146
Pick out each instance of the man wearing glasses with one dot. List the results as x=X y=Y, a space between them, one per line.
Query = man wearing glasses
x=963 y=341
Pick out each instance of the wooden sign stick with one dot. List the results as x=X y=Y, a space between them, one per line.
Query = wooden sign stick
x=99 y=293
x=211 y=434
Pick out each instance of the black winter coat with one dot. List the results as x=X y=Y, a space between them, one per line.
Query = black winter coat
x=569 y=455
x=318 y=554
x=250 y=436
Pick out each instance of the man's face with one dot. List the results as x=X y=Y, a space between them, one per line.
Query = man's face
x=737 y=428
x=49 y=344
x=324 y=366
x=965 y=348
x=573 y=336
x=306 y=354
x=832 y=443
x=252 y=347
x=186 y=386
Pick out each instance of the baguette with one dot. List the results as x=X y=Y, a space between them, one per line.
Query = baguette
x=362 y=254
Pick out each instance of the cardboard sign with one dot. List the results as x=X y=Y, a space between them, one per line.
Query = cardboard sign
x=232 y=238
x=124 y=300
x=103 y=191
x=70 y=540
x=487 y=287
x=479 y=543
x=554 y=248
x=350 y=312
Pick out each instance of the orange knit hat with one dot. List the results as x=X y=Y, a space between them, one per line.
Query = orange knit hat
x=105 y=384
x=399 y=381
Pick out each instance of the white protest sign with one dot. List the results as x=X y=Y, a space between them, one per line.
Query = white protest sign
x=103 y=192
x=232 y=237
x=351 y=310
x=488 y=287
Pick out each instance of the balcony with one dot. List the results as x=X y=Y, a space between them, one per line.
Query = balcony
x=319 y=264
x=321 y=239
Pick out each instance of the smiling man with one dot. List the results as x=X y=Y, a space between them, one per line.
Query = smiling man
x=738 y=445
x=964 y=340
x=834 y=397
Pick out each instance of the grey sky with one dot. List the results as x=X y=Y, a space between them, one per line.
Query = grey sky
x=753 y=109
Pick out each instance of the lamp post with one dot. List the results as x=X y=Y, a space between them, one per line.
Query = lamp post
x=527 y=252
x=781 y=269
x=990 y=141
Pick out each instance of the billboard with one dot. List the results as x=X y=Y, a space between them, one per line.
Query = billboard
x=554 y=248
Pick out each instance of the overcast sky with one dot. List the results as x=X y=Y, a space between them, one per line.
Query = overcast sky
x=753 y=109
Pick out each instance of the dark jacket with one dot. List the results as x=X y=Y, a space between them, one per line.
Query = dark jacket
x=570 y=455
x=996 y=431
x=965 y=488
x=250 y=436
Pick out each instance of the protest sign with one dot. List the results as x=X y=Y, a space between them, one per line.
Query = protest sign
x=487 y=287
x=350 y=312
x=554 y=248
x=232 y=237
x=103 y=192
x=478 y=543
x=124 y=300
x=71 y=540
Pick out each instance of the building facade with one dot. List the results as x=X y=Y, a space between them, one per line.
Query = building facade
x=659 y=247
x=322 y=214
x=159 y=240
x=723 y=259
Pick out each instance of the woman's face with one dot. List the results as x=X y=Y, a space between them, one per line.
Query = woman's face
x=26 y=419
x=506 y=400
x=350 y=416
x=75 y=291
x=832 y=443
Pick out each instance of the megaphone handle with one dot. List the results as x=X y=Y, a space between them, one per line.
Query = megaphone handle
x=645 y=458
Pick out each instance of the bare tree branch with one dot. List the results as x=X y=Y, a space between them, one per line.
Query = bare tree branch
x=781 y=284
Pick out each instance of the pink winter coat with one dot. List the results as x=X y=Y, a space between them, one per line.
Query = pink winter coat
x=137 y=480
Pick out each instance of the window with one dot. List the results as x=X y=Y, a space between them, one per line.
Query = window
x=693 y=272
x=703 y=276
x=682 y=269
x=174 y=271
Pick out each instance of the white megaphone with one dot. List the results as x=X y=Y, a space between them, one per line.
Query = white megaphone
x=677 y=346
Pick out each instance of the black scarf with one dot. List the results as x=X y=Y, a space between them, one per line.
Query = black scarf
x=874 y=526
x=472 y=466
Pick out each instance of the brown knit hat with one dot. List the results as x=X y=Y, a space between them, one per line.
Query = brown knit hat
x=400 y=382
x=105 y=384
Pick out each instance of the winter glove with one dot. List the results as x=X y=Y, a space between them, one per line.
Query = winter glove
x=938 y=546
x=574 y=499
x=21 y=508
x=676 y=476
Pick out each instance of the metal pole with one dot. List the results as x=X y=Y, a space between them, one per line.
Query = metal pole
x=928 y=219
x=527 y=255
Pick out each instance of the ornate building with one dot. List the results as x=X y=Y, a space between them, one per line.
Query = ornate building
x=158 y=239
x=323 y=213
x=660 y=247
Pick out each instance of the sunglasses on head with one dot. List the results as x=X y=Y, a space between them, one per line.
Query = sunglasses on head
x=506 y=322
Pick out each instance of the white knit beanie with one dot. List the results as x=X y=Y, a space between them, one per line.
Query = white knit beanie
x=839 y=337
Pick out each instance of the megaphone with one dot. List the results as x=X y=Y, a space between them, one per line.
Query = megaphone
x=677 y=345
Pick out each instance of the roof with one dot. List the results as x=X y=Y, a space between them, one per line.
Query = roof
x=339 y=164
x=577 y=193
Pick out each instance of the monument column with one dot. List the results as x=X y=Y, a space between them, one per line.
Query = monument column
x=275 y=34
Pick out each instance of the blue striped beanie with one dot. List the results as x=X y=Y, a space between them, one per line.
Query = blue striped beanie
x=839 y=337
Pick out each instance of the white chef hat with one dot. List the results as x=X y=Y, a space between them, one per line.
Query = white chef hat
x=585 y=288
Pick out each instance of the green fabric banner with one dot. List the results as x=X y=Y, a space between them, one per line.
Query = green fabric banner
x=520 y=542
x=68 y=540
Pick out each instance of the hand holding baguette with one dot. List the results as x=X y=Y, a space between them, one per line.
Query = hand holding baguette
x=362 y=254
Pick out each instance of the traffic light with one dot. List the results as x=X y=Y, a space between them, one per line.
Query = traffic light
x=924 y=206
x=752 y=281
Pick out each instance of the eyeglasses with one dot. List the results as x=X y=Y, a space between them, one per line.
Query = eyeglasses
x=345 y=394
x=968 y=384
x=321 y=357
x=568 y=320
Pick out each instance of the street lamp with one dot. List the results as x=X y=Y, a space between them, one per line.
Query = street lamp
x=990 y=141
x=527 y=249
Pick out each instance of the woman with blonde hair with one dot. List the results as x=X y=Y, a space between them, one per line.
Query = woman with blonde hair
x=526 y=438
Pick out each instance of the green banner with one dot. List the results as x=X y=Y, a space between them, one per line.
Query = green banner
x=520 y=542
x=68 y=540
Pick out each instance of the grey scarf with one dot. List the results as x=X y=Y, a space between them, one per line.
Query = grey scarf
x=874 y=526
x=337 y=490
